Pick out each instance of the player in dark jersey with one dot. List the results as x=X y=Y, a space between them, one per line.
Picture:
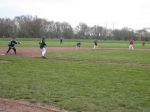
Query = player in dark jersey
x=78 y=44
x=95 y=44
x=61 y=40
x=42 y=47
x=11 y=45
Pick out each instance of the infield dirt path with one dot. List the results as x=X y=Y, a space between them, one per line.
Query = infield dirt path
x=35 y=51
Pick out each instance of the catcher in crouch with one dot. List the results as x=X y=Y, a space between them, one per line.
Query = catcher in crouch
x=11 y=45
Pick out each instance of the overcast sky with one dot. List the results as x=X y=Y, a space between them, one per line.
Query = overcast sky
x=120 y=13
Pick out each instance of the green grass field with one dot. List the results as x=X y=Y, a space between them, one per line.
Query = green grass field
x=80 y=86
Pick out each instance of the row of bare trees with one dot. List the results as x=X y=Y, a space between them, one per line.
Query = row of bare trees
x=33 y=27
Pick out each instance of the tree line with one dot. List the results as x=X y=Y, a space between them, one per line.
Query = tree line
x=28 y=26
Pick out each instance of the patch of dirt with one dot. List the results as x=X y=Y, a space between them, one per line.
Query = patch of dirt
x=35 y=51
x=8 y=105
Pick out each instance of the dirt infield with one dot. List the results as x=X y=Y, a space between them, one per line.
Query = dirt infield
x=35 y=51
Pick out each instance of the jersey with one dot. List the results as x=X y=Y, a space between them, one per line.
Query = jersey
x=12 y=43
x=131 y=42
x=95 y=42
x=78 y=44
x=42 y=44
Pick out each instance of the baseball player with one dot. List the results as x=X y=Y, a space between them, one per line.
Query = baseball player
x=11 y=45
x=95 y=44
x=61 y=40
x=131 y=45
x=42 y=47
x=78 y=45
x=143 y=42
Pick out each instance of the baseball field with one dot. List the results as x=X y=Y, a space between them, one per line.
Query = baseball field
x=109 y=78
